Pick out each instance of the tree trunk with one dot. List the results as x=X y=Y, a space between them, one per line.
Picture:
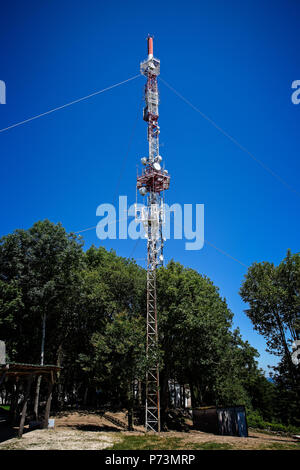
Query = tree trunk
x=288 y=354
x=164 y=398
x=130 y=406
x=196 y=398
x=85 y=396
x=59 y=387
x=38 y=383
x=139 y=393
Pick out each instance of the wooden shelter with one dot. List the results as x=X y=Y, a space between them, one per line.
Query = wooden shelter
x=26 y=372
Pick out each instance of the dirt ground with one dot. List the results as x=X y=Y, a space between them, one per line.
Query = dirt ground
x=93 y=431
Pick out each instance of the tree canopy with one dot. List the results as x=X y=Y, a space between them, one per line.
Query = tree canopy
x=89 y=308
x=272 y=293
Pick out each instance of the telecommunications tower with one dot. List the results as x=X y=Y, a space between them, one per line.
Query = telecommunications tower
x=151 y=184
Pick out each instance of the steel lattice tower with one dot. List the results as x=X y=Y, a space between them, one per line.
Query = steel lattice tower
x=153 y=181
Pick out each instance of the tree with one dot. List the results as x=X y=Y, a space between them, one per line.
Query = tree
x=198 y=346
x=273 y=297
x=119 y=358
x=286 y=400
x=110 y=286
x=10 y=304
x=40 y=265
x=289 y=275
x=86 y=311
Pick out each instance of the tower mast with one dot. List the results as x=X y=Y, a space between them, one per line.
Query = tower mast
x=153 y=181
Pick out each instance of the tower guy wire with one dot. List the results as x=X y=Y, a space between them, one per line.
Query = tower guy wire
x=67 y=104
x=122 y=164
x=225 y=254
x=241 y=147
x=128 y=148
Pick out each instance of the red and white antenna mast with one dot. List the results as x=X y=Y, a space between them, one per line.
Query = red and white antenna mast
x=153 y=181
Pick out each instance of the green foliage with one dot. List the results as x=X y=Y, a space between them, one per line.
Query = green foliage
x=94 y=303
x=273 y=297
x=255 y=420
x=272 y=293
x=38 y=271
x=195 y=328
x=119 y=355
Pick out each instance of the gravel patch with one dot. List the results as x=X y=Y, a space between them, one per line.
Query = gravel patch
x=63 y=439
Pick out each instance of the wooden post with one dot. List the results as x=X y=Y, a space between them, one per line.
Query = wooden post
x=24 y=409
x=2 y=378
x=14 y=402
x=48 y=403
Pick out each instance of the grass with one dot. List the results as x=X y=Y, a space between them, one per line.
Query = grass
x=5 y=407
x=151 y=442
x=211 y=446
x=278 y=446
x=146 y=443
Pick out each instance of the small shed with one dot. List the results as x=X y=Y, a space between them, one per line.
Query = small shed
x=227 y=421
x=17 y=372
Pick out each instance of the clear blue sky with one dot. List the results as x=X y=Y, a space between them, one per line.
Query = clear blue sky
x=233 y=60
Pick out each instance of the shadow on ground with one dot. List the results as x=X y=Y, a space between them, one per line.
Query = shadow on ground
x=273 y=438
x=94 y=428
x=8 y=432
